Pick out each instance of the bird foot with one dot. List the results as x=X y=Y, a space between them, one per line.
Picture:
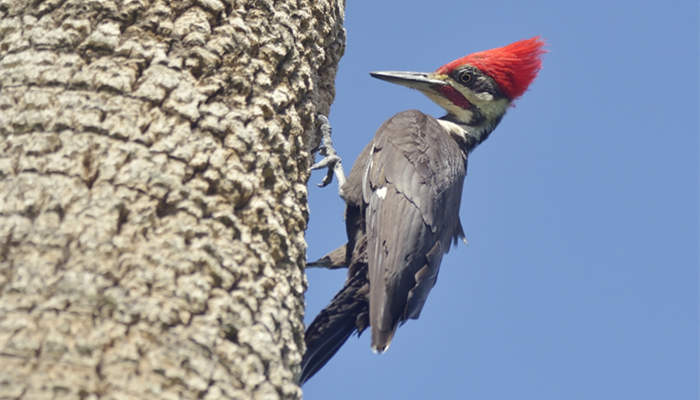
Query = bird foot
x=334 y=260
x=332 y=160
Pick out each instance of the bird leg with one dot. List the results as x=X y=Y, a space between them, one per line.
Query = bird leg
x=332 y=160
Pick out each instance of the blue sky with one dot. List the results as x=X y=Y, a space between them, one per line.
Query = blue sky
x=580 y=280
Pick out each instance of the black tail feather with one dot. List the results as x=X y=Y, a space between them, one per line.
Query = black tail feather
x=348 y=312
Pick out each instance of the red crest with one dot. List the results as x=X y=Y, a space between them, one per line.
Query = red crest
x=513 y=67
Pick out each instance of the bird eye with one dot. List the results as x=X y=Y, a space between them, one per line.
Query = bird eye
x=464 y=76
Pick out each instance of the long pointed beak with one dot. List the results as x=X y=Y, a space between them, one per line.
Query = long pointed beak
x=415 y=80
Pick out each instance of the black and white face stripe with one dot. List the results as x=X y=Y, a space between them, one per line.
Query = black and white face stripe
x=476 y=81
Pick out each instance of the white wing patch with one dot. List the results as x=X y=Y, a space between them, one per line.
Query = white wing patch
x=381 y=192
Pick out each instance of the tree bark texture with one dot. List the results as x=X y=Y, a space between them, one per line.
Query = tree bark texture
x=153 y=168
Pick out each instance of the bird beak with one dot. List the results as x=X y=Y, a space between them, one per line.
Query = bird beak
x=423 y=81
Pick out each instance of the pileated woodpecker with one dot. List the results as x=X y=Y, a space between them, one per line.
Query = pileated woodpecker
x=404 y=191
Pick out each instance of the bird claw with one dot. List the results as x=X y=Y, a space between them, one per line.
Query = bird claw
x=330 y=163
x=332 y=160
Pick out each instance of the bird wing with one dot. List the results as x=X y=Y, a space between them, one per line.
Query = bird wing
x=412 y=187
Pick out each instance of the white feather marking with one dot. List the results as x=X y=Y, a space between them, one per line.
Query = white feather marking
x=375 y=350
x=461 y=132
x=365 y=176
x=381 y=192
x=484 y=96
x=453 y=129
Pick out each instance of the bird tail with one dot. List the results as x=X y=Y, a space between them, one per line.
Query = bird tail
x=348 y=311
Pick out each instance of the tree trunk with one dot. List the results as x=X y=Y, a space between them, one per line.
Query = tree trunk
x=153 y=167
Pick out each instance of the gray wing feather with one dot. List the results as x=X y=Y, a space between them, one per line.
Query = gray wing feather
x=410 y=225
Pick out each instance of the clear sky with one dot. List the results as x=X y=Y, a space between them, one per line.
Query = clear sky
x=580 y=279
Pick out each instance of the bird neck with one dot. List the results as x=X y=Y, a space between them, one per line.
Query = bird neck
x=468 y=136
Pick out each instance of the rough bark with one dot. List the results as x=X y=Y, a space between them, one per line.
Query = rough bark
x=153 y=167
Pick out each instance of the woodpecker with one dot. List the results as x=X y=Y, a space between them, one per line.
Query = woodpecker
x=404 y=191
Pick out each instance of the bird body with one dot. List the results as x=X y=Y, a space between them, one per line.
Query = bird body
x=404 y=192
x=410 y=177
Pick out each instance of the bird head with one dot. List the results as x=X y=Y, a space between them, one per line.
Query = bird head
x=477 y=89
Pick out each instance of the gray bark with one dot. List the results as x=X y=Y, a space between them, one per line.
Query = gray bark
x=153 y=168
